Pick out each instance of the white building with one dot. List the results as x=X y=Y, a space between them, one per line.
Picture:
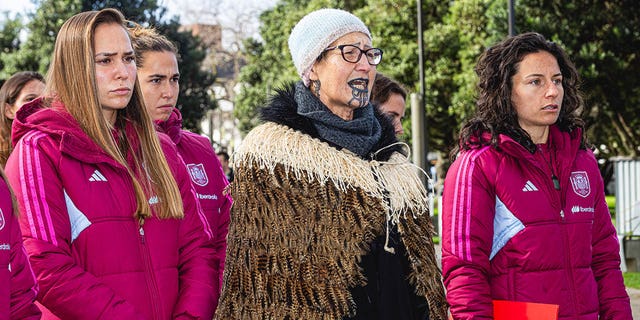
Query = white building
x=220 y=124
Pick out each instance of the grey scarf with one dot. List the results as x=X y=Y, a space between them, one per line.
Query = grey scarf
x=358 y=135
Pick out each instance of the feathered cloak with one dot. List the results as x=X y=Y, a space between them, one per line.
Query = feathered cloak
x=305 y=214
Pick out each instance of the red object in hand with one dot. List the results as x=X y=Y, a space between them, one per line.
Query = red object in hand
x=515 y=310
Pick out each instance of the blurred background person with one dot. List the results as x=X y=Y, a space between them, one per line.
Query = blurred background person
x=224 y=158
x=108 y=213
x=19 y=89
x=390 y=97
x=159 y=78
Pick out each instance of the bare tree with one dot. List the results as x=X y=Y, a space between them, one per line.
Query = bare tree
x=223 y=26
x=237 y=20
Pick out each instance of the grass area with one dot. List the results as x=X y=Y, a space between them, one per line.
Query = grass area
x=611 y=203
x=632 y=279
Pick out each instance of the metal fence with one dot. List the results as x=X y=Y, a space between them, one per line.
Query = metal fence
x=627 y=189
x=627 y=182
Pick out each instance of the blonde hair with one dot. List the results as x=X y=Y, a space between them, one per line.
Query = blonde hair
x=71 y=79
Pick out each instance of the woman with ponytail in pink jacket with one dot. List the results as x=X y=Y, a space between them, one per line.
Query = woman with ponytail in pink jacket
x=157 y=61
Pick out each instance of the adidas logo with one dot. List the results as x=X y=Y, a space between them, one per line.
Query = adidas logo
x=97 y=176
x=529 y=187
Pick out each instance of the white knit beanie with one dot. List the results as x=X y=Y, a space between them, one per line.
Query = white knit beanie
x=315 y=31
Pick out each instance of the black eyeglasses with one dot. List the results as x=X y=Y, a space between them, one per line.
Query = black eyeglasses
x=351 y=53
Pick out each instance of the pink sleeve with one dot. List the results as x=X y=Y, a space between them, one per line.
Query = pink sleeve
x=19 y=288
x=197 y=276
x=220 y=225
x=23 y=281
x=467 y=217
x=65 y=288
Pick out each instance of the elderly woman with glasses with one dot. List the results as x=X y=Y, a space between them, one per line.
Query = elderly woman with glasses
x=330 y=220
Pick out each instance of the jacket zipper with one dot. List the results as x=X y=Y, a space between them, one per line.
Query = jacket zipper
x=141 y=235
x=152 y=285
x=557 y=195
x=567 y=249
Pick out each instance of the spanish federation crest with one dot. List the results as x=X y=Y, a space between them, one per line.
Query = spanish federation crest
x=198 y=175
x=1 y=220
x=580 y=183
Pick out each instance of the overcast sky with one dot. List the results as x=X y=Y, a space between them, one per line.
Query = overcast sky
x=231 y=14
x=14 y=6
x=188 y=10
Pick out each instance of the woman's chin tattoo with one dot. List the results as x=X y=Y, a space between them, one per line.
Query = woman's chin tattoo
x=360 y=92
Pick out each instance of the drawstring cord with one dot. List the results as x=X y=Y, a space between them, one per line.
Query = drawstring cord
x=375 y=164
x=387 y=248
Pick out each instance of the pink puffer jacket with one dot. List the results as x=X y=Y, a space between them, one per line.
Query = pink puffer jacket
x=508 y=234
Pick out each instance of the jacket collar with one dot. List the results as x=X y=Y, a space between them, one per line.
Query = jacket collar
x=172 y=126
x=53 y=119
x=565 y=144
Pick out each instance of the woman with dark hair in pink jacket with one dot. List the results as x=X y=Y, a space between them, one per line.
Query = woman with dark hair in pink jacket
x=524 y=215
x=110 y=220
x=18 y=286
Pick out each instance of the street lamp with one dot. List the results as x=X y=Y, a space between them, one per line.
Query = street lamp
x=418 y=114
x=512 y=18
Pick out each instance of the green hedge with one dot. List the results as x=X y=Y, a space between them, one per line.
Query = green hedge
x=632 y=279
